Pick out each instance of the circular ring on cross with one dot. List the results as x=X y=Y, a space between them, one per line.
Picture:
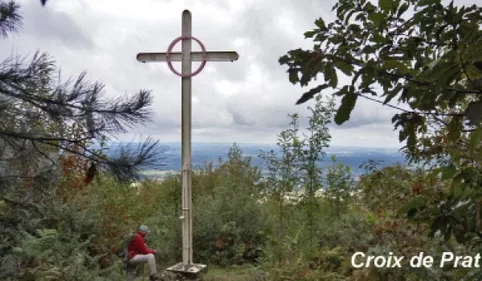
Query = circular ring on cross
x=203 y=56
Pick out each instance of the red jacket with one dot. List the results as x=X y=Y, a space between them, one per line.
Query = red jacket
x=137 y=246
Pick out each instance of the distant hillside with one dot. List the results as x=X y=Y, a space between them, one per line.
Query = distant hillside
x=206 y=152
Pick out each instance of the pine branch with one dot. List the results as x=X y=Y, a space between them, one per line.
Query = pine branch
x=32 y=85
x=10 y=19
x=80 y=100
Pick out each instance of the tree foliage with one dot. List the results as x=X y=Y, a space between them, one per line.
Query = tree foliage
x=52 y=145
x=340 y=187
x=295 y=177
x=426 y=56
x=43 y=117
x=420 y=53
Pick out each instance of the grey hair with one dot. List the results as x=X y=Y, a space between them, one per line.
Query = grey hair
x=143 y=229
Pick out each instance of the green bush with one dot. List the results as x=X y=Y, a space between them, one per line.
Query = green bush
x=230 y=225
x=54 y=255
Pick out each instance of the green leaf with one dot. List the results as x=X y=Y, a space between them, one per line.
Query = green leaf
x=448 y=172
x=293 y=76
x=457 y=179
x=376 y=18
x=397 y=65
x=391 y=94
x=454 y=129
x=347 y=104
x=330 y=76
x=475 y=139
x=284 y=59
x=344 y=67
x=470 y=174
x=413 y=206
x=478 y=65
x=457 y=191
x=311 y=93
x=369 y=7
x=321 y=24
x=385 y=5
x=377 y=38
x=454 y=154
x=474 y=113
x=310 y=34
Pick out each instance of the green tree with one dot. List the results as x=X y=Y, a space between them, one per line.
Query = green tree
x=316 y=140
x=430 y=61
x=339 y=187
x=283 y=178
x=283 y=169
x=295 y=168
x=426 y=56
x=230 y=225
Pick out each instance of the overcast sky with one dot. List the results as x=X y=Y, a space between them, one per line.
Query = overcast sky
x=246 y=101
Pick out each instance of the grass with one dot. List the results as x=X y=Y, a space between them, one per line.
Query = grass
x=238 y=273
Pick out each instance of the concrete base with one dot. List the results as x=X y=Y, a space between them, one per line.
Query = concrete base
x=188 y=271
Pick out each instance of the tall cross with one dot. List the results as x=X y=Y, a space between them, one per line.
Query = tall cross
x=186 y=56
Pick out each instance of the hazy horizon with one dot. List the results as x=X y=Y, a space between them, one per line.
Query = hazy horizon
x=260 y=144
x=204 y=152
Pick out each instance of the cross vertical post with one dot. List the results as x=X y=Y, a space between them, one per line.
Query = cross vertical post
x=186 y=26
x=186 y=57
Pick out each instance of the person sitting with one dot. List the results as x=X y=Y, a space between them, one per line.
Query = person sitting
x=139 y=253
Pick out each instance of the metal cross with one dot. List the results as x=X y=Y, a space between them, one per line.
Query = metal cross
x=186 y=56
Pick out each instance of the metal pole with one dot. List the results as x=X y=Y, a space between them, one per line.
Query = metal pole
x=186 y=139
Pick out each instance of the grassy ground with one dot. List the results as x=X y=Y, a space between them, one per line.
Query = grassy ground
x=228 y=274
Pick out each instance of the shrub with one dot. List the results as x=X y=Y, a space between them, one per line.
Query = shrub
x=230 y=225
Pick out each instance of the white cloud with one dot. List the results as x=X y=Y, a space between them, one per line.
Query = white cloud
x=244 y=101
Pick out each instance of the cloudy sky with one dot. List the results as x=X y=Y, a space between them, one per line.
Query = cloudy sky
x=246 y=101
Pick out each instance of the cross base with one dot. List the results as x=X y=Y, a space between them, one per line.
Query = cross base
x=190 y=271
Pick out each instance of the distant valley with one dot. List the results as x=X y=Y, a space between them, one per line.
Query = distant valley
x=203 y=153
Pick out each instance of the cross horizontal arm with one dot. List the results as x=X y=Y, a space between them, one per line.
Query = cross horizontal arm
x=195 y=56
